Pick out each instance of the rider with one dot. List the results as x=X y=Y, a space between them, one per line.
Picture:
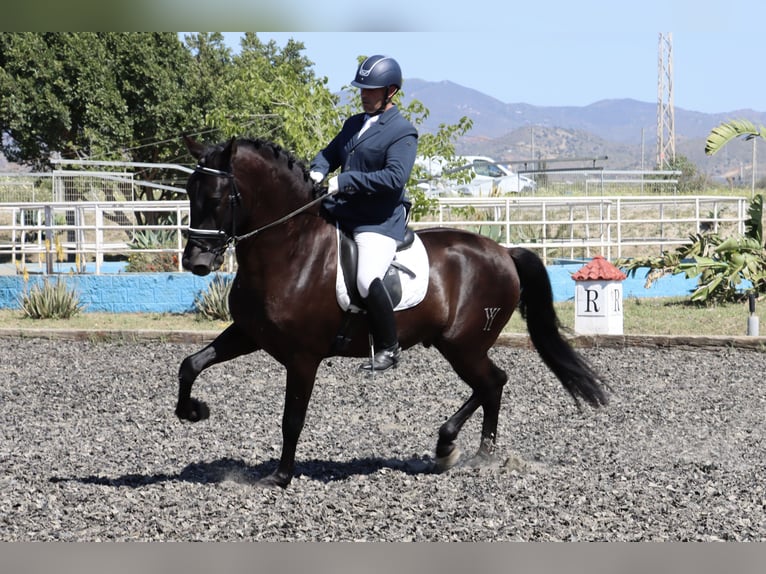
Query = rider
x=375 y=151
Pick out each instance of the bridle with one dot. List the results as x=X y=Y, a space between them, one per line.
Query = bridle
x=201 y=237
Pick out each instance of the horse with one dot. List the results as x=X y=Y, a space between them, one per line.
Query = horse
x=255 y=195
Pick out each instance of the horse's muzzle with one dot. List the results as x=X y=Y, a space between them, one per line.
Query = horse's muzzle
x=200 y=262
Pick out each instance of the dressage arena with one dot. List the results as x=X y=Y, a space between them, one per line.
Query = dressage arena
x=91 y=449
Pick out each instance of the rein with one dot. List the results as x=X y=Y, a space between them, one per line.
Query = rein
x=233 y=238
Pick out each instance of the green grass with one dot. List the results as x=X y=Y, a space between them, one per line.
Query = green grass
x=652 y=316
x=666 y=316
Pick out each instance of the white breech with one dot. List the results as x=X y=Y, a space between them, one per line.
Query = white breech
x=376 y=252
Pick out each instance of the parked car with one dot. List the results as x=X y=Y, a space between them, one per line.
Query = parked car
x=492 y=178
x=485 y=176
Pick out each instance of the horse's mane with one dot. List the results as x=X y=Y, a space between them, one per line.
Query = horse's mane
x=278 y=153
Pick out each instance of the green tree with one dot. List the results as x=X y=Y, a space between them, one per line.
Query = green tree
x=129 y=96
x=440 y=144
x=92 y=95
x=153 y=75
x=58 y=95
x=210 y=72
x=273 y=93
x=690 y=180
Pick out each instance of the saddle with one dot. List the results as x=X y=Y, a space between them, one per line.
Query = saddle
x=348 y=258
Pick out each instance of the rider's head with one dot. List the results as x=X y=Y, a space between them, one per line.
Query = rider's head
x=379 y=78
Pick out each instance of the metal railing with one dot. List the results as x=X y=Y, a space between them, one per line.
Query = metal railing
x=582 y=227
x=51 y=237
x=79 y=236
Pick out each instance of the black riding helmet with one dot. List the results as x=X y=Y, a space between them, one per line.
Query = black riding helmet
x=378 y=72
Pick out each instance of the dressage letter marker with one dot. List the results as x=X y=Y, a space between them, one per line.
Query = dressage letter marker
x=598 y=298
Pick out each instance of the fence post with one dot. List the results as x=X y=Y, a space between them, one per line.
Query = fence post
x=48 y=239
x=99 y=237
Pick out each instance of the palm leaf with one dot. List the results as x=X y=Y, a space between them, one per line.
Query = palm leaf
x=754 y=224
x=727 y=131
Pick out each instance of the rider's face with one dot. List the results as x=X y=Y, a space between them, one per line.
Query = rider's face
x=373 y=99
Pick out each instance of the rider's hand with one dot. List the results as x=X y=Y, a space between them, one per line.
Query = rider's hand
x=316 y=176
x=332 y=185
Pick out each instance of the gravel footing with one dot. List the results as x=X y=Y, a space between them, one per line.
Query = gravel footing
x=91 y=449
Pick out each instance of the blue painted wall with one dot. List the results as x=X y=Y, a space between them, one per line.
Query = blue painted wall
x=120 y=293
x=669 y=286
x=176 y=292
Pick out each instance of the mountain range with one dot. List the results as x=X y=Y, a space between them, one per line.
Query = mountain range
x=622 y=130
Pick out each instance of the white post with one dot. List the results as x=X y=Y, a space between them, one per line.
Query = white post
x=598 y=298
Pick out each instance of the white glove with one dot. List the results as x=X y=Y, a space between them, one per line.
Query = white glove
x=332 y=185
x=316 y=176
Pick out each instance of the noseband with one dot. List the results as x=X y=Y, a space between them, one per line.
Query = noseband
x=201 y=237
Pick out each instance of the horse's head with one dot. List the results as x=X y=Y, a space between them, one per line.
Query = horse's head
x=238 y=189
x=213 y=198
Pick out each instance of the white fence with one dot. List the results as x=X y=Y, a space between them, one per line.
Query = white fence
x=84 y=234
x=40 y=236
x=581 y=227
x=560 y=182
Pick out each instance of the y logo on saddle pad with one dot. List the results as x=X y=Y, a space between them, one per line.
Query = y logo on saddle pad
x=406 y=280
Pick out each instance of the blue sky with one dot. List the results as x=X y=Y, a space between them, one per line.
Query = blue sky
x=564 y=53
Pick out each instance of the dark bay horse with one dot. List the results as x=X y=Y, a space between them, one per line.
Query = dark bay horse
x=257 y=196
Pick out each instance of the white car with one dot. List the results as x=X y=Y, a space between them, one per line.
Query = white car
x=486 y=177
x=491 y=178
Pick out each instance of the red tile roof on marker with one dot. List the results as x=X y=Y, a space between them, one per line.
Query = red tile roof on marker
x=599 y=269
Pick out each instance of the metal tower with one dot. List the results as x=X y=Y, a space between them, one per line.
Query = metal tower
x=666 y=130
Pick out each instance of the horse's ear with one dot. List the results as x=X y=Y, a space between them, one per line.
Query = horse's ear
x=230 y=149
x=195 y=148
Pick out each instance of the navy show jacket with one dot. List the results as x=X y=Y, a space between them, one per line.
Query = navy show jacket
x=374 y=170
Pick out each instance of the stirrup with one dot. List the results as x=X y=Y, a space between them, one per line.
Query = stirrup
x=383 y=360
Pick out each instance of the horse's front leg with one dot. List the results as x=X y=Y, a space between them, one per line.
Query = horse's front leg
x=301 y=374
x=226 y=346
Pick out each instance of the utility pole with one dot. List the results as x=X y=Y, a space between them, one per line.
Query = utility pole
x=666 y=131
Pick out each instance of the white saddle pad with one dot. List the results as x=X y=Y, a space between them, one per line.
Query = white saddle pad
x=414 y=285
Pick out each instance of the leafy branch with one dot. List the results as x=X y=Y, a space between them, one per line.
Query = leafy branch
x=721 y=264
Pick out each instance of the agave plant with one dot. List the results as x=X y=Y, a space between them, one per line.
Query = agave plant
x=213 y=303
x=50 y=301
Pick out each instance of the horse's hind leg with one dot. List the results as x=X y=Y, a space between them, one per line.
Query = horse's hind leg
x=231 y=343
x=487 y=381
x=491 y=400
x=447 y=452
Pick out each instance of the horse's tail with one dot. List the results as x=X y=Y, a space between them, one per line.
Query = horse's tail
x=536 y=306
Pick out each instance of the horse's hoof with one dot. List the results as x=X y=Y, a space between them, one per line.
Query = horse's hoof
x=444 y=463
x=194 y=411
x=480 y=460
x=273 y=480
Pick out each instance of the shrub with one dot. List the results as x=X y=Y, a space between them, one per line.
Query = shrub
x=50 y=301
x=140 y=261
x=213 y=302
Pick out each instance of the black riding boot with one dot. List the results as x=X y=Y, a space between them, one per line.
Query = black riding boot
x=380 y=314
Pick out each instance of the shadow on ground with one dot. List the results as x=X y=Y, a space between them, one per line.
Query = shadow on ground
x=234 y=470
